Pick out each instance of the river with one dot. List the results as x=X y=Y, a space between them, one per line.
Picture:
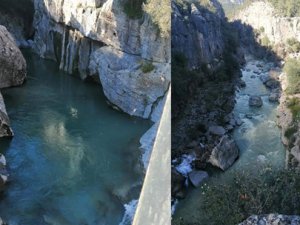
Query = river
x=73 y=159
x=258 y=139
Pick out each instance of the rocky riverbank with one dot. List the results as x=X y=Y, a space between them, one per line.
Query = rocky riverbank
x=272 y=219
x=203 y=121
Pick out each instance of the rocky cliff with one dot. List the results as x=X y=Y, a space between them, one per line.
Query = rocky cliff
x=97 y=39
x=263 y=17
x=197 y=33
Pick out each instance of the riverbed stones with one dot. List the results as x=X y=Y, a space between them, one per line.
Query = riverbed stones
x=255 y=101
x=197 y=177
x=272 y=219
x=12 y=62
x=217 y=130
x=274 y=97
x=224 y=154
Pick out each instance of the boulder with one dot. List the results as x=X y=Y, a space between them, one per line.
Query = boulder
x=197 y=177
x=13 y=64
x=272 y=84
x=274 y=97
x=217 y=130
x=224 y=154
x=255 y=101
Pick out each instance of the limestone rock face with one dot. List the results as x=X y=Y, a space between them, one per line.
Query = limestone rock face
x=277 y=29
x=12 y=62
x=126 y=85
x=5 y=130
x=224 y=154
x=272 y=219
x=96 y=38
x=197 y=33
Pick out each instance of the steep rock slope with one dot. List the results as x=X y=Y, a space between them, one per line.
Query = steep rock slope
x=97 y=39
x=205 y=66
x=197 y=33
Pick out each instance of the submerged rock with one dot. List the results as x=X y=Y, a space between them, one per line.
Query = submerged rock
x=224 y=154
x=12 y=62
x=217 y=130
x=255 y=101
x=274 y=97
x=197 y=177
x=272 y=219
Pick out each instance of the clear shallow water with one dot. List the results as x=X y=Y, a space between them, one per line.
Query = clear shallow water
x=73 y=159
x=258 y=139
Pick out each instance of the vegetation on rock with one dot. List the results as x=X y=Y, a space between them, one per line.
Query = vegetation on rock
x=293 y=45
x=147 y=67
x=292 y=69
x=249 y=193
x=134 y=8
x=160 y=11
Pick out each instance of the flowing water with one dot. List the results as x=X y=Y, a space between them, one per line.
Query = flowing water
x=258 y=139
x=73 y=159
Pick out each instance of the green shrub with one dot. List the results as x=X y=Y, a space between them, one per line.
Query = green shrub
x=147 y=67
x=265 y=41
x=133 y=8
x=294 y=105
x=292 y=69
x=290 y=132
x=293 y=45
x=261 y=192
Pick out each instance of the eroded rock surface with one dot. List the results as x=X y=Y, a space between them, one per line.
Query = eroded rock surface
x=5 y=129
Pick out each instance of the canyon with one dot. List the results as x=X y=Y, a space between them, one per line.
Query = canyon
x=257 y=120
x=97 y=42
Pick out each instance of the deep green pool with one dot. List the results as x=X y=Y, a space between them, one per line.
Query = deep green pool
x=73 y=159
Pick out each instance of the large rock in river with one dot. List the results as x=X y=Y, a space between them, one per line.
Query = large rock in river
x=255 y=101
x=224 y=154
x=12 y=62
x=5 y=130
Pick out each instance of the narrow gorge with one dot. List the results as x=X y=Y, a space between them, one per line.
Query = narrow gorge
x=83 y=99
x=238 y=117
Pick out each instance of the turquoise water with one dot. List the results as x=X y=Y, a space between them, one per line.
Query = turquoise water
x=258 y=139
x=73 y=159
